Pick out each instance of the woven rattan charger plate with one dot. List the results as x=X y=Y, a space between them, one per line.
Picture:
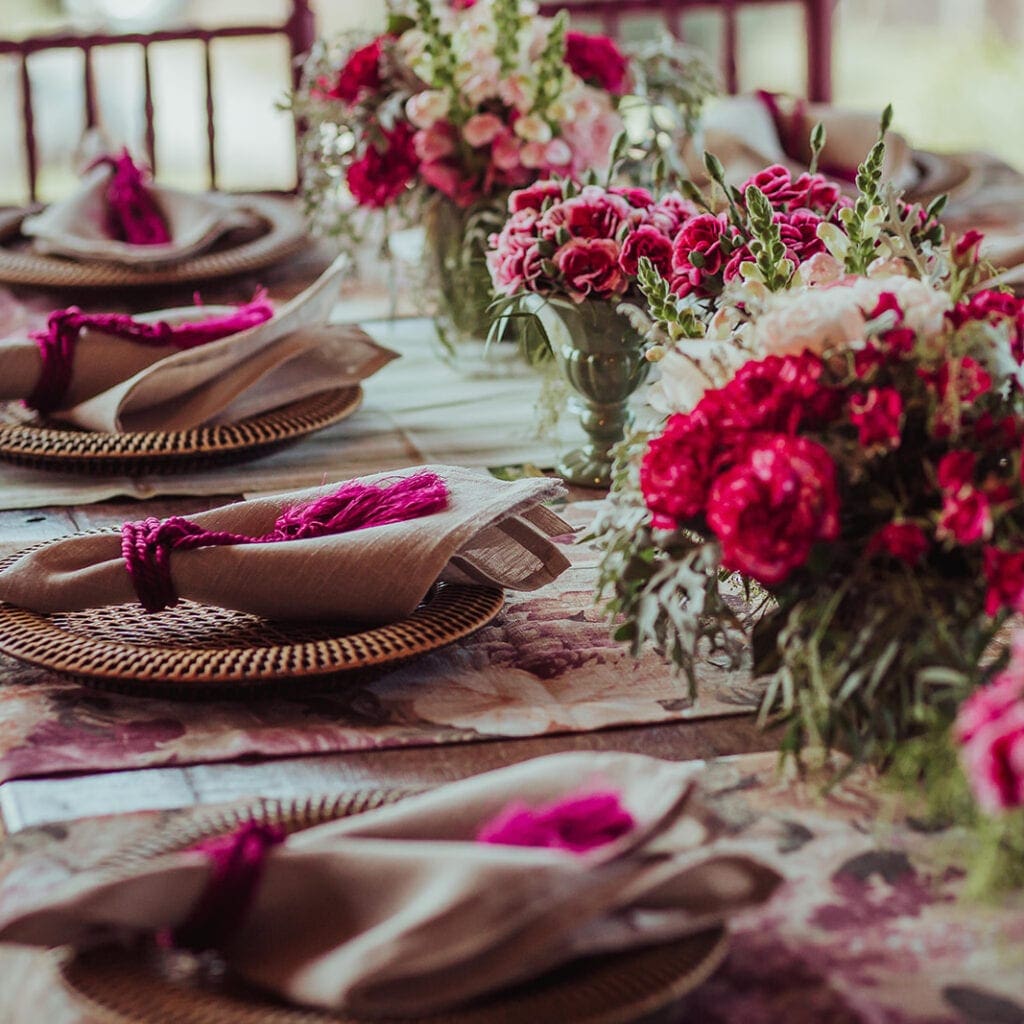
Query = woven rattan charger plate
x=283 y=234
x=27 y=440
x=199 y=651
x=150 y=988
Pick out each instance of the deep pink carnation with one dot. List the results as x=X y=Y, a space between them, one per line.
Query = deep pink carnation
x=575 y=823
x=877 y=414
x=638 y=198
x=594 y=213
x=514 y=259
x=590 y=267
x=650 y=242
x=380 y=176
x=697 y=252
x=812 y=192
x=773 y=506
x=904 y=541
x=670 y=213
x=534 y=196
x=597 y=60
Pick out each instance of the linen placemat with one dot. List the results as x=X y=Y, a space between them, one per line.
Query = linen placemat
x=417 y=409
x=546 y=665
x=874 y=930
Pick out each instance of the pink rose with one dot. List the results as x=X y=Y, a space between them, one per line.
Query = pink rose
x=449 y=180
x=966 y=517
x=482 y=129
x=773 y=506
x=590 y=266
x=904 y=541
x=435 y=143
x=993 y=756
x=505 y=152
x=878 y=416
x=646 y=241
x=597 y=60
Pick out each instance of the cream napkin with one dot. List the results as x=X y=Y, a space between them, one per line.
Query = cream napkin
x=742 y=133
x=119 y=385
x=490 y=533
x=399 y=911
x=74 y=227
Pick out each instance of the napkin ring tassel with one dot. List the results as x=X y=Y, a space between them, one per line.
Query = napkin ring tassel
x=237 y=862
x=58 y=342
x=146 y=545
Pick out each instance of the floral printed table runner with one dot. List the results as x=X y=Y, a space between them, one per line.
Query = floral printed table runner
x=871 y=927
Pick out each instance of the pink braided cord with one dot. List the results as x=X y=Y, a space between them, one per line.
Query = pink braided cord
x=58 y=342
x=236 y=862
x=133 y=214
x=146 y=545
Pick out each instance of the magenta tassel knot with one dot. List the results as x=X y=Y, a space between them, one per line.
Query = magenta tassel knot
x=133 y=214
x=577 y=823
x=146 y=545
x=58 y=342
x=236 y=862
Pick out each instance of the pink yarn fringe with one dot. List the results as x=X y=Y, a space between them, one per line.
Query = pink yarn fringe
x=237 y=863
x=58 y=342
x=147 y=545
x=133 y=215
x=575 y=823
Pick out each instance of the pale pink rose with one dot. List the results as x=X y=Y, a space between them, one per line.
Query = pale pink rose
x=506 y=152
x=557 y=153
x=821 y=268
x=532 y=155
x=591 y=140
x=435 y=143
x=426 y=108
x=482 y=129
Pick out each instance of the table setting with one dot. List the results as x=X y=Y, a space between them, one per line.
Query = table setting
x=606 y=610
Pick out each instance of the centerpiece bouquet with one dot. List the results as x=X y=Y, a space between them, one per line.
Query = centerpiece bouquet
x=459 y=102
x=835 y=493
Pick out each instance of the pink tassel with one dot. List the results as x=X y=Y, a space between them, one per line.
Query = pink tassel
x=57 y=343
x=133 y=215
x=146 y=546
x=575 y=823
x=356 y=505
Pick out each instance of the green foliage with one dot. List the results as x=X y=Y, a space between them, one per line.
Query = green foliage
x=551 y=67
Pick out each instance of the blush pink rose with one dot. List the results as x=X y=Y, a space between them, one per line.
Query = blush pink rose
x=506 y=152
x=482 y=129
x=435 y=143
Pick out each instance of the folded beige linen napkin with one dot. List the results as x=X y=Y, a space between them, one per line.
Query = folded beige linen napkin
x=487 y=532
x=401 y=911
x=743 y=133
x=118 y=384
x=76 y=226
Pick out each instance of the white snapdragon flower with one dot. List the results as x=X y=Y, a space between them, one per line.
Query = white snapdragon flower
x=426 y=108
x=531 y=128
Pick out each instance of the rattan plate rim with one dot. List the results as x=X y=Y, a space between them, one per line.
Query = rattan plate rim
x=450 y=612
x=620 y=989
x=53 y=447
x=286 y=236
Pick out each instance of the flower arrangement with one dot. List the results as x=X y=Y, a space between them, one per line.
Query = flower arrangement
x=468 y=99
x=836 y=493
x=459 y=102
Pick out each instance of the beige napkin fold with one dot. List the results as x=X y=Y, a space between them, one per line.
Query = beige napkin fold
x=399 y=911
x=491 y=532
x=74 y=227
x=118 y=385
x=742 y=133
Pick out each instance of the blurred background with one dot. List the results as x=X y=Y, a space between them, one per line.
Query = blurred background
x=953 y=68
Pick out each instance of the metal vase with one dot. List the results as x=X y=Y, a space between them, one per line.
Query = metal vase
x=602 y=358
